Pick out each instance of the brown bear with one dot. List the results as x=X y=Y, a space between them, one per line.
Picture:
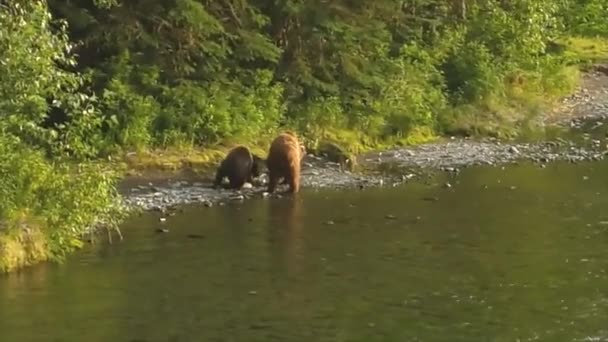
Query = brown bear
x=240 y=166
x=283 y=161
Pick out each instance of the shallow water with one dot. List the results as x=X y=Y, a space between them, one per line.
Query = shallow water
x=518 y=254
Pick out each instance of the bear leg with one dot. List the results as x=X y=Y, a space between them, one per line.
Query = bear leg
x=272 y=181
x=218 y=177
x=294 y=184
x=237 y=183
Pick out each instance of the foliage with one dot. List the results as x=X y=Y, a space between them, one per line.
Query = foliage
x=46 y=182
x=68 y=202
x=587 y=17
x=193 y=72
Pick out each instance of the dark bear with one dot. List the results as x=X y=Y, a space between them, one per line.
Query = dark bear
x=240 y=166
x=283 y=161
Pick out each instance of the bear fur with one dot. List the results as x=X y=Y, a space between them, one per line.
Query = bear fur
x=240 y=166
x=283 y=161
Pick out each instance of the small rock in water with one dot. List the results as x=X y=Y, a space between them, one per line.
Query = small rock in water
x=162 y=219
x=447 y=185
x=391 y=217
x=237 y=198
x=162 y=230
x=513 y=150
x=247 y=186
x=265 y=194
x=408 y=176
x=513 y=187
x=585 y=177
x=208 y=204
x=330 y=222
x=430 y=199
x=195 y=236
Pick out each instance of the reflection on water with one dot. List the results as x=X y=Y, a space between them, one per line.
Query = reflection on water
x=285 y=240
x=502 y=255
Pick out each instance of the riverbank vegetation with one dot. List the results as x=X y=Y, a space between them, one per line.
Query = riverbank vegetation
x=167 y=83
x=53 y=191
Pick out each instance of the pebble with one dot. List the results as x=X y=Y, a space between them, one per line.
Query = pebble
x=237 y=198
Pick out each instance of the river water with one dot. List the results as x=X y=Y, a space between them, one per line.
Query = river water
x=513 y=254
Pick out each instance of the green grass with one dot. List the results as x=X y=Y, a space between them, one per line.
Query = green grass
x=22 y=243
x=196 y=158
x=349 y=143
x=586 y=50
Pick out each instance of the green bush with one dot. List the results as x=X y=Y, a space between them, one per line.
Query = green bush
x=67 y=200
x=184 y=73
x=51 y=190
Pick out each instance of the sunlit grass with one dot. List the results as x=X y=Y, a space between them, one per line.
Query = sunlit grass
x=585 y=49
x=22 y=243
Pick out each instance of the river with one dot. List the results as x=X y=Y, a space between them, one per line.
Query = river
x=500 y=254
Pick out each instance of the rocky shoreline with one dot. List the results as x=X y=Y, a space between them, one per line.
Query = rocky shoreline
x=580 y=119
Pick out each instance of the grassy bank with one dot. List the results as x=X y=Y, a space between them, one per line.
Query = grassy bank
x=504 y=113
x=585 y=50
x=51 y=210
x=335 y=143
x=49 y=207
x=23 y=246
